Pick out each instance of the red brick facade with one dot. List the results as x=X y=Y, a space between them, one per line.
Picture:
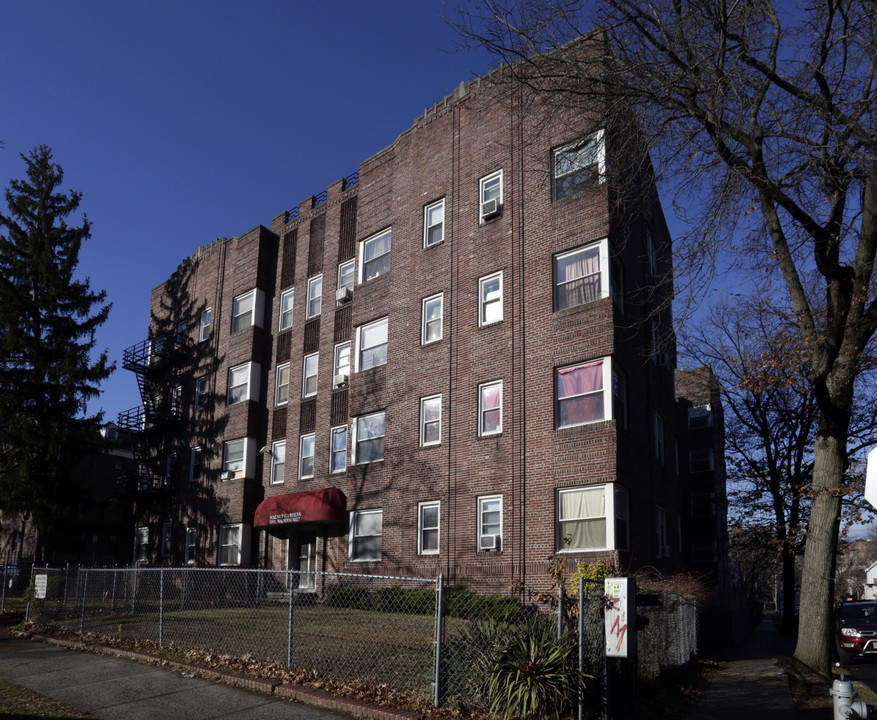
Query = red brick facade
x=481 y=130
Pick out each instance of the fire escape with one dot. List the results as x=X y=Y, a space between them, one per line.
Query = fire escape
x=152 y=425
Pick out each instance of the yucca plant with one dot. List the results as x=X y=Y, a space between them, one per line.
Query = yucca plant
x=536 y=675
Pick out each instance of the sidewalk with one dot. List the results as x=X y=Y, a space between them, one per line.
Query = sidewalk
x=115 y=688
x=751 y=683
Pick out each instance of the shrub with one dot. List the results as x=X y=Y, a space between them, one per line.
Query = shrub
x=355 y=597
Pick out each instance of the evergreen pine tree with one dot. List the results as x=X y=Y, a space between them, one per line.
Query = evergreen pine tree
x=48 y=320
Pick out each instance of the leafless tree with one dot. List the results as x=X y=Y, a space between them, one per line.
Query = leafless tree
x=760 y=121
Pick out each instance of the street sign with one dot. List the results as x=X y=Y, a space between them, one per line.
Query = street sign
x=871 y=478
x=39 y=586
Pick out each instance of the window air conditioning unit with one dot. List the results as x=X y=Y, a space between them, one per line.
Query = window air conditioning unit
x=226 y=475
x=490 y=542
x=343 y=295
x=490 y=209
x=340 y=380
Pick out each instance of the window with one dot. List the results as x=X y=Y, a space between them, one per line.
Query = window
x=195 y=460
x=233 y=459
x=662 y=548
x=278 y=462
x=700 y=416
x=170 y=468
x=371 y=340
x=581 y=518
x=701 y=460
x=230 y=541
x=204 y=330
x=306 y=457
x=309 y=375
x=434 y=223
x=346 y=275
x=651 y=256
x=580 y=394
x=579 y=165
x=580 y=276
x=281 y=394
x=167 y=539
x=191 y=545
x=177 y=401
x=366 y=535
x=490 y=196
x=375 y=256
x=287 y=301
x=658 y=432
x=490 y=408
x=431 y=319
x=141 y=544
x=338 y=451
x=200 y=393
x=490 y=299
x=490 y=522
x=243 y=310
x=242 y=381
x=368 y=438
x=622 y=519
x=315 y=297
x=428 y=528
x=341 y=365
x=619 y=398
x=431 y=420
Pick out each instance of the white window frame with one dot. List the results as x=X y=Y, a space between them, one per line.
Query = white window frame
x=278 y=462
x=281 y=385
x=575 y=150
x=658 y=436
x=335 y=452
x=364 y=249
x=310 y=371
x=204 y=327
x=482 y=410
x=429 y=223
x=306 y=456
x=360 y=350
x=701 y=460
x=250 y=372
x=426 y=322
x=239 y=318
x=340 y=366
x=605 y=391
x=358 y=440
x=285 y=321
x=196 y=460
x=483 y=190
x=485 y=304
x=177 y=401
x=346 y=274
x=237 y=472
x=191 y=546
x=353 y=553
x=609 y=498
x=200 y=393
x=482 y=510
x=423 y=528
x=231 y=554
x=314 y=301
x=425 y=423
x=603 y=274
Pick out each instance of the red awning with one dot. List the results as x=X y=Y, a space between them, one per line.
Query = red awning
x=326 y=505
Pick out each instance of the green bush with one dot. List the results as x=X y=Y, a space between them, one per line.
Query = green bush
x=355 y=597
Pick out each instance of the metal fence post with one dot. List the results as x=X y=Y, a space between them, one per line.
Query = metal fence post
x=581 y=682
x=3 y=600
x=84 y=595
x=160 y=605
x=439 y=631
x=113 y=600
x=560 y=612
x=289 y=577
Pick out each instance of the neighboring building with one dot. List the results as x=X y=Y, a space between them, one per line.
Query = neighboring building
x=441 y=364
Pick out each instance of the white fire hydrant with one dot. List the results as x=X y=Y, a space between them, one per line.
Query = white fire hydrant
x=846 y=707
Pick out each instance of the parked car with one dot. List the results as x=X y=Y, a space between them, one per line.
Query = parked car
x=855 y=630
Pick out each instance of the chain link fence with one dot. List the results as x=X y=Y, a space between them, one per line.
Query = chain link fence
x=412 y=634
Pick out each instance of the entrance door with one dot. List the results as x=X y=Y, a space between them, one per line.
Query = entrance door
x=303 y=558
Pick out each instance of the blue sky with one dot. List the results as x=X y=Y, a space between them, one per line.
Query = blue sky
x=181 y=122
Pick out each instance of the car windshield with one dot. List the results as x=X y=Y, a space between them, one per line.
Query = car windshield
x=858 y=612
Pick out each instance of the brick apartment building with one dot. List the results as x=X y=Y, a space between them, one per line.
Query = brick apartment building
x=443 y=363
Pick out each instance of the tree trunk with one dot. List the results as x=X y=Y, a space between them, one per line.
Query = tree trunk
x=817 y=584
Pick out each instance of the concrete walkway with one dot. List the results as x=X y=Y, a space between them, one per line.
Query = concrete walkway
x=751 y=683
x=115 y=688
